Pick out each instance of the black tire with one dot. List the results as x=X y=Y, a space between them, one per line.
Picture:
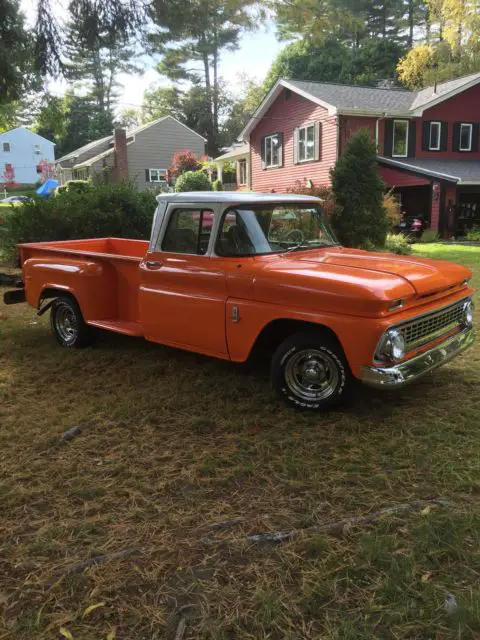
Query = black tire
x=318 y=356
x=68 y=325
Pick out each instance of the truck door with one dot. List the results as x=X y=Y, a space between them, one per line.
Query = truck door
x=183 y=290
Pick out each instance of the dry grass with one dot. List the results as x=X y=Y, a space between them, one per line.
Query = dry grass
x=174 y=442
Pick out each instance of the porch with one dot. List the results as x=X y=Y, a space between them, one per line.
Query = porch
x=240 y=157
x=446 y=194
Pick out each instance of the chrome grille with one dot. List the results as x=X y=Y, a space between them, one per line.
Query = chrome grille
x=431 y=326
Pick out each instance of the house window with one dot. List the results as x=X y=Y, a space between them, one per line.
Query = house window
x=465 y=137
x=434 y=140
x=6 y=147
x=157 y=175
x=306 y=143
x=36 y=148
x=272 y=151
x=188 y=231
x=242 y=172
x=400 y=138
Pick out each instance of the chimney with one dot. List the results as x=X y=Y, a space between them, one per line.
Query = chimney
x=120 y=151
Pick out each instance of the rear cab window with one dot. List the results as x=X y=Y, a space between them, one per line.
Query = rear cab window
x=188 y=231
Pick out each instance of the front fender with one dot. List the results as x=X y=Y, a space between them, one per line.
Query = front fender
x=358 y=336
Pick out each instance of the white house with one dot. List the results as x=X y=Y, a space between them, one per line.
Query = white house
x=22 y=156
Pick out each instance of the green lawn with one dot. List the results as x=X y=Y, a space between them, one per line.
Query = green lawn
x=174 y=442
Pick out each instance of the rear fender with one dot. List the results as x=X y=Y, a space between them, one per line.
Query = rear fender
x=93 y=284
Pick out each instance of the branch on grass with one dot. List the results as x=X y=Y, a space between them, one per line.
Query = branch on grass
x=339 y=526
x=78 y=567
x=180 y=632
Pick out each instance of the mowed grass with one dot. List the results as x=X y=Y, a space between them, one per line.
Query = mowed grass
x=173 y=442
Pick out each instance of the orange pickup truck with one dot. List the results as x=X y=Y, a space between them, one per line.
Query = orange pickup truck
x=228 y=274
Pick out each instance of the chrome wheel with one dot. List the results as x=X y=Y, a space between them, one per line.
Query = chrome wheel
x=312 y=374
x=65 y=323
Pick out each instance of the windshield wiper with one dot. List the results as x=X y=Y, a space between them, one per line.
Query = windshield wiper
x=306 y=245
x=296 y=246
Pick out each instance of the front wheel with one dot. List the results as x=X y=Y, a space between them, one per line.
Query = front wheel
x=68 y=325
x=310 y=372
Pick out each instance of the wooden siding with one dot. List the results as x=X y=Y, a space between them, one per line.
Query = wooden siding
x=283 y=117
x=464 y=107
x=349 y=125
x=154 y=147
x=396 y=178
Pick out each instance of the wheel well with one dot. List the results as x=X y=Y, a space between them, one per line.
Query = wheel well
x=274 y=333
x=51 y=292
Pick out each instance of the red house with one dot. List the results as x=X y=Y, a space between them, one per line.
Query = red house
x=427 y=141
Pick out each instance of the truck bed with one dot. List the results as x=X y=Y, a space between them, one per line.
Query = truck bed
x=120 y=248
x=102 y=273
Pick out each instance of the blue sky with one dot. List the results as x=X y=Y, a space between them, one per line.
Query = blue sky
x=254 y=57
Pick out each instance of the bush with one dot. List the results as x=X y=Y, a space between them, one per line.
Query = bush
x=359 y=217
x=325 y=193
x=79 y=186
x=473 y=236
x=397 y=243
x=106 y=210
x=193 y=181
x=429 y=235
x=392 y=207
x=184 y=161
x=217 y=185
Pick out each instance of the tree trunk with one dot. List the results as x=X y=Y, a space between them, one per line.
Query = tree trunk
x=208 y=91
x=411 y=13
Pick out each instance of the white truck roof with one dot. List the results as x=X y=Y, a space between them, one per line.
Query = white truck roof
x=243 y=197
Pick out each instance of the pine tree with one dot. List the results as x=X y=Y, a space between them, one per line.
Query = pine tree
x=359 y=219
x=95 y=58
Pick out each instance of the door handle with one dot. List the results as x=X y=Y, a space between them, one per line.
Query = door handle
x=153 y=264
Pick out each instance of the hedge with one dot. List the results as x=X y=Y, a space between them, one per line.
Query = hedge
x=105 y=210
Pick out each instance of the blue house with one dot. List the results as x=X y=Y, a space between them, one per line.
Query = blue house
x=24 y=156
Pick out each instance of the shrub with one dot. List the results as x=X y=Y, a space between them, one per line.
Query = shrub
x=78 y=185
x=473 y=236
x=359 y=217
x=101 y=211
x=325 y=193
x=397 y=243
x=193 y=181
x=184 y=161
x=217 y=185
x=429 y=235
x=392 y=207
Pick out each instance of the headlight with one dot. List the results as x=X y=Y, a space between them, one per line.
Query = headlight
x=391 y=347
x=468 y=314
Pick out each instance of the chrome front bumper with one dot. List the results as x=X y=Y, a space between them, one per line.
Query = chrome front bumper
x=410 y=370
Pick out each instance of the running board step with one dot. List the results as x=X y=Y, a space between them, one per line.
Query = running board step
x=119 y=326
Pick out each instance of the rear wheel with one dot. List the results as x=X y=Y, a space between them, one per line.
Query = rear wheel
x=68 y=325
x=310 y=372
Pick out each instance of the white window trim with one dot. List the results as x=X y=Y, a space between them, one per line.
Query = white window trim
x=158 y=174
x=9 y=150
x=240 y=162
x=400 y=155
x=430 y=148
x=37 y=150
x=470 y=127
x=305 y=127
x=271 y=166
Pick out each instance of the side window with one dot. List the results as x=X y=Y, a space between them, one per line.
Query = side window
x=188 y=231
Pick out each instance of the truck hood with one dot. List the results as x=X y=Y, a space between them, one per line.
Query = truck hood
x=424 y=275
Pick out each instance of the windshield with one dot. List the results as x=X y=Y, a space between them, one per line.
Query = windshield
x=258 y=230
